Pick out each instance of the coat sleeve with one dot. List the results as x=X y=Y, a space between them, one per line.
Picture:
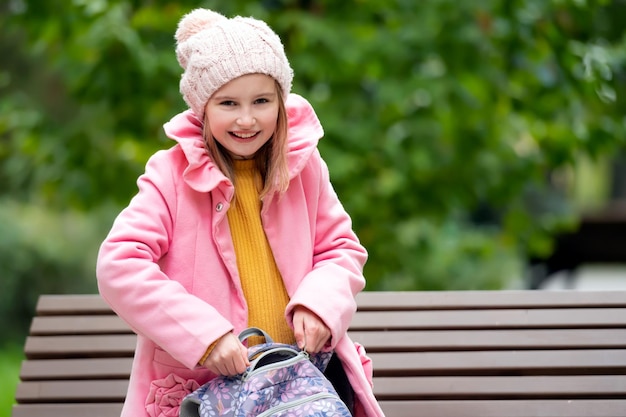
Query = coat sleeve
x=329 y=289
x=132 y=283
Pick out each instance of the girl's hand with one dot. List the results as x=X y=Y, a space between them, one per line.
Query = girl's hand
x=228 y=357
x=310 y=331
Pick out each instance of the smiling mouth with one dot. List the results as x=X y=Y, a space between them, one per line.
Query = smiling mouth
x=244 y=135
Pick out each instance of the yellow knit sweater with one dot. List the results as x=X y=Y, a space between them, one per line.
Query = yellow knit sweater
x=261 y=281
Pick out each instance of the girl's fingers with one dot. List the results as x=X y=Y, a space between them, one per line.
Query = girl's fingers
x=310 y=331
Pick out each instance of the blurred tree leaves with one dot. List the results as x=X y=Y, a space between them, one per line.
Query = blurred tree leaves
x=448 y=123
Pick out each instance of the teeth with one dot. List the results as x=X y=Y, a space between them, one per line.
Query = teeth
x=244 y=135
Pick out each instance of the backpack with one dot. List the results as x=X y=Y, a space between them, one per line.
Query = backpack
x=281 y=381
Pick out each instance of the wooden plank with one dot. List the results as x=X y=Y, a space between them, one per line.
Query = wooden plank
x=532 y=362
x=78 y=324
x=385 y=364
x=71 y=304
x=422 y=340
x=99 y=368
x=396 y=300
x=485 y=319
x=385 y=388
x=504 y=408
x=72 y=391
x=380 y=320
x=503 y=387
x=67 y=410
x=453 y=300
x=38 y=347
x=448 y=408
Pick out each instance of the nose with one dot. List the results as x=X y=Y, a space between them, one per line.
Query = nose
x=246 y=119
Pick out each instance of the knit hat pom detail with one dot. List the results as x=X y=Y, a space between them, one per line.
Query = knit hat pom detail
x=196 y=21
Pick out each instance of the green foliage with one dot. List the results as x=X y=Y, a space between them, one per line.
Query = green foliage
x=447 y=122
x=10 y=361
x=450 y=257
x=43 y=251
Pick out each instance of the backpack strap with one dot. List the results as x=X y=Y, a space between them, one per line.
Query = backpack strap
x=254 y=331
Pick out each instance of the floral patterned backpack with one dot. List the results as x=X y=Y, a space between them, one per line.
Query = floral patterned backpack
x=281 y=381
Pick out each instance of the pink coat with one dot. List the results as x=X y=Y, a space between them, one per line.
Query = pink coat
x=168 y=265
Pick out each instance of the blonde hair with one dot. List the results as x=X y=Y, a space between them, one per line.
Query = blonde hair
x=270 y=159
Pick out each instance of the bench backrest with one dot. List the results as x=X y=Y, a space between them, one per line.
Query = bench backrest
x=436 y=354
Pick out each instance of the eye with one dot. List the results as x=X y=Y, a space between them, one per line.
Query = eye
x=261 y=100
x=227 y=103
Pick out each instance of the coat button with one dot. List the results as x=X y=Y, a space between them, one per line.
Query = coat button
x=219 y=207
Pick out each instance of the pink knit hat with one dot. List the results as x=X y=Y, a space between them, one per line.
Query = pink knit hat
x=214 y=50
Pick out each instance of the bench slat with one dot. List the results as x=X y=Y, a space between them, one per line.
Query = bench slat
x=100 y=368
x=504 y=408
x=585 y=386
x=72 y=391
x=392 y=320
x=67 y=410
x=71 y=304
x=78 y=324
x=536 y=362
x=385 y=364
x=448 y=408
x=124 y=345
x=463 y=300
x=394 y=300
x=385 y=388
x=421 y=340
x=486 y=319
x=72 y=346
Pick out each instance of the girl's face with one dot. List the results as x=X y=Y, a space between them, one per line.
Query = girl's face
x=242 y=114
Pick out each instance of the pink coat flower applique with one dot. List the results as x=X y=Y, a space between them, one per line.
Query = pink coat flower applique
x=166 y=395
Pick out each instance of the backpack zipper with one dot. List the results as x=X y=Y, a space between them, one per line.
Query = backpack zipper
x=276 y=365
x=272 y=411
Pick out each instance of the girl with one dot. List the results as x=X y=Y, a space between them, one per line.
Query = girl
x=235 y=226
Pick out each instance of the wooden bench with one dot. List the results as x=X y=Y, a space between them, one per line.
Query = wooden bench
x=436 y=354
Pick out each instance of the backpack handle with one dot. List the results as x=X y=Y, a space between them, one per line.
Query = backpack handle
x=254 y=331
